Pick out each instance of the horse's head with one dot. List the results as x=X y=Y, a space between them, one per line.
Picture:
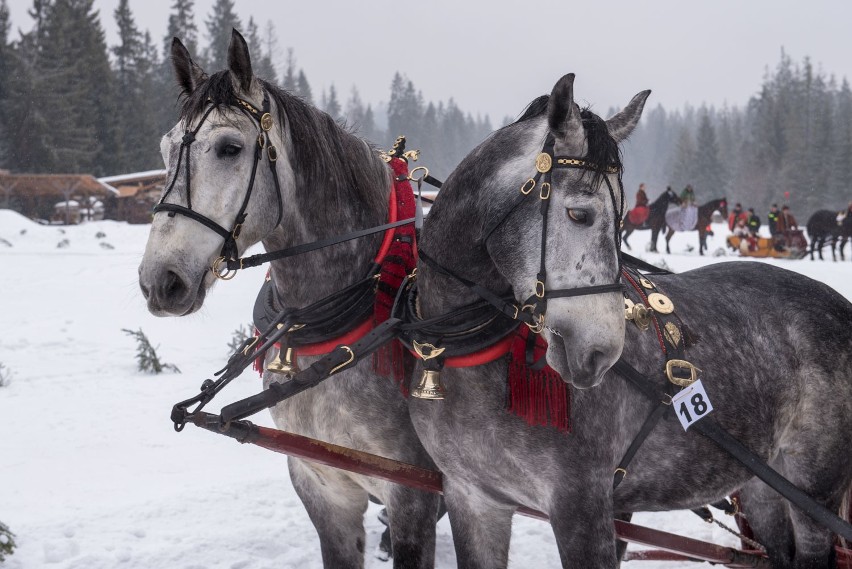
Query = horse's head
x=579 y=204
x=222 y=193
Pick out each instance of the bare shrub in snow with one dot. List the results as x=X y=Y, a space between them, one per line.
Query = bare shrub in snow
x=7 y=542
x=5 y=375
x=146 y=355
x=239 y=336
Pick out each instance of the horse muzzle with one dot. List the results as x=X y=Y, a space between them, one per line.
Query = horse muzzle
x=581 y=363
x=169 y=291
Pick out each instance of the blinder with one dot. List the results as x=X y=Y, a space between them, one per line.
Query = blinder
x=230 y=251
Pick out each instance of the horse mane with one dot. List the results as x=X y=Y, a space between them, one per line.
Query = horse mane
x=325 y=156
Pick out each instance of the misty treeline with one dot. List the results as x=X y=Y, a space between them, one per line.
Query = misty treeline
x=71 y=103
x=792 y=143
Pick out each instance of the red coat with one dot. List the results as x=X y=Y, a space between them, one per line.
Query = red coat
x=734 y=217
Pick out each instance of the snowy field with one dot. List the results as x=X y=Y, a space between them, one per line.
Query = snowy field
x=92 y=475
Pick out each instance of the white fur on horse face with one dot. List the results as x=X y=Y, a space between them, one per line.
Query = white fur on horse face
x=218 y=187
x=591 y=327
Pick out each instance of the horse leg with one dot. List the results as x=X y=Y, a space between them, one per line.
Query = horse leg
x=627 y=231
x=621 y=546
x=769 y=517
x=481 y=528
x=584 y=532
x=668 y=238
x=412 y=515
x=842 y=246
x=337 y=512
x=792 y=539
x=655 y=234
x=702 y=242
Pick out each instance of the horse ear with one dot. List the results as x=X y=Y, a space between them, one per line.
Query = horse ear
x=187 y=72
x=239 y=60
x=621 y=125
x=563 y=116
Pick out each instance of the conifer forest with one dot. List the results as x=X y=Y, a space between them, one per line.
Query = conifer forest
x=71 y=103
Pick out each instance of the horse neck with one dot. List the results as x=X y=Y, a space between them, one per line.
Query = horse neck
x=340 y=185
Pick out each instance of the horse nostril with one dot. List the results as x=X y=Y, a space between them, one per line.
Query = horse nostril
x=146 y=292
x=173 y=286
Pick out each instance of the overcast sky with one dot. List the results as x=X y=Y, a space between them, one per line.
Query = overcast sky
x=495 y=56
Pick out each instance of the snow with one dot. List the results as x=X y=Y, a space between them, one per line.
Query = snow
x=92 y=475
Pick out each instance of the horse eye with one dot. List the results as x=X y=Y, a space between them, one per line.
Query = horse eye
x=578 y=215
x=230 y=150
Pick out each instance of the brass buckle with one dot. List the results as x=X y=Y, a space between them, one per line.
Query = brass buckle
x=346 y=363
x=539 y=289
x=433 y=351
x=673 y=365
x=261 y=140
x=217 y=266
x=528 y=187
x=538 y=327
x=544 y=193
x=272 y=153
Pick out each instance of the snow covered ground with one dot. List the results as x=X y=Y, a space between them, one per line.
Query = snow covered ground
x=92 y=476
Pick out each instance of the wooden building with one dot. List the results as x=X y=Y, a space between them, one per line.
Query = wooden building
x=136 y=195
x=37 y=195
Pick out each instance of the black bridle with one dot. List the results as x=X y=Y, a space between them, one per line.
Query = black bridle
x=230 y=251
x=532 y=311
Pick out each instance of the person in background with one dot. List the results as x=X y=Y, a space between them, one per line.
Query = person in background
x=687 y=196
x=641 y=197
x=786 y=221
x=772 y=219
x=639 y=214
x=753 y=222
x=736 y=214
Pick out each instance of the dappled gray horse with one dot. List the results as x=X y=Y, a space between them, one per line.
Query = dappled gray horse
x=331 y=182
x=775 y=349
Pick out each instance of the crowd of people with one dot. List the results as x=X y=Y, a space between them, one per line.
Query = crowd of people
x=742 y=223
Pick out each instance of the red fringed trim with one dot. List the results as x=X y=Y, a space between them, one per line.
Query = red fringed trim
x=538 y=397
x=400 y=260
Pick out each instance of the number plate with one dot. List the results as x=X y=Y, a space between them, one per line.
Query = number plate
x=691 y=404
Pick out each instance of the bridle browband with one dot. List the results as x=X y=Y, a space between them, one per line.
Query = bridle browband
x=230 y=251
x=532 y=311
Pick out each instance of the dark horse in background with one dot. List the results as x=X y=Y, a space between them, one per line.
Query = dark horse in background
x=823 y=226
x=330 y=182
x=705 y=216
x=777 y=363
x=656 y=219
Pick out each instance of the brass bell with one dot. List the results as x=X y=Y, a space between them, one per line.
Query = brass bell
x=430 y=386
x=287 y=366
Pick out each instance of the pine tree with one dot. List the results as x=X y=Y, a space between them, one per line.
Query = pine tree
x=289 y=82
x=6 y=55
x=332 y=105
x=221 y=22
x=709 y=176
x=68 y=118
x=303 y=88
x=683 y=172
x=182 y=26
x=261 y=61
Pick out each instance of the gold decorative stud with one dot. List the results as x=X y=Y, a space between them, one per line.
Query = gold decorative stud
x=266 y=121
x=661 y=303
x=672 y=333
x=543 y=162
